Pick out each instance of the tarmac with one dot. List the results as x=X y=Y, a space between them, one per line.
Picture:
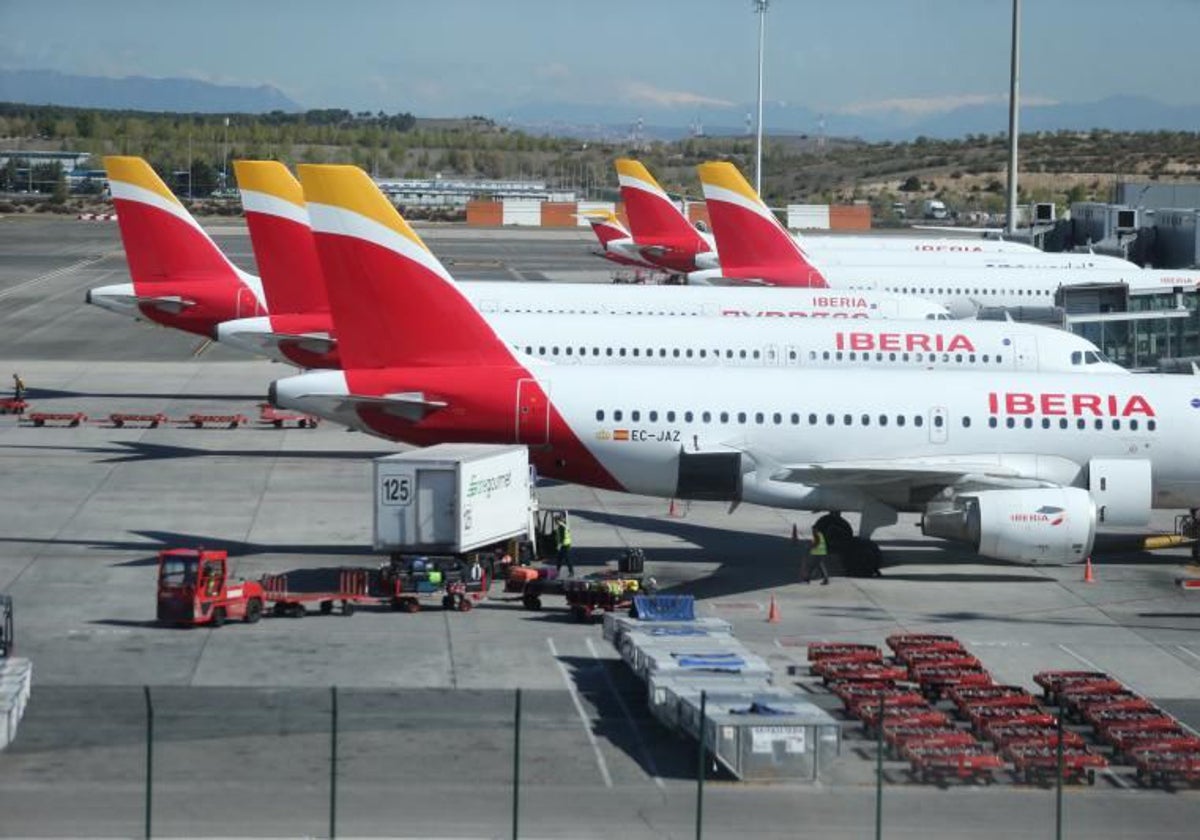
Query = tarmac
x=242 y=714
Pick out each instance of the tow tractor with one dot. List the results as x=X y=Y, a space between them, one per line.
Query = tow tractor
x=194 y=588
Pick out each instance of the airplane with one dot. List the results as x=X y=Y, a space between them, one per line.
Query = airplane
x=662 y=234
x=1020 y=466
x=756 y=248
x=298 y=328
x=268 y=188
x=181 y=279
x=616 y=243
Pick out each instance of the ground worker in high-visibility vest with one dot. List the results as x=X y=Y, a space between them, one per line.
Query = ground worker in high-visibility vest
x=816 y=559
x=562 y=545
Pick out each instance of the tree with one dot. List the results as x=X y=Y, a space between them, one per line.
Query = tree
x=911 y=184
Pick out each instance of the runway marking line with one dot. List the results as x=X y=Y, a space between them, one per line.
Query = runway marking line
x=1188 y=651
x=583 y=717
x=650 y=765
x=51 y=275
x=1081 y=658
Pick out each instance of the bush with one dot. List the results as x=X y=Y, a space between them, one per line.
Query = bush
x=911 y=184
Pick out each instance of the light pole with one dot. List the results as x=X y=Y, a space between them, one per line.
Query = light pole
x=760 y=8
x=225 y=156
x=1014 y=85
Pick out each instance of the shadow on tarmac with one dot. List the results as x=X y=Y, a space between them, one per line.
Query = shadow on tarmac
x=127 y=451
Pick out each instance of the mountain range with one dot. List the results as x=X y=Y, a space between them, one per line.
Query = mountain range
x=616 y=120
x=139 y=93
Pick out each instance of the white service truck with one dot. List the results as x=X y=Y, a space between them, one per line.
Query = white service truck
x=452 y=498
x=933 y=208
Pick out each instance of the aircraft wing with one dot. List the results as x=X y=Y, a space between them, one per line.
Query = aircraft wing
x=961 y=472
x=413 y=407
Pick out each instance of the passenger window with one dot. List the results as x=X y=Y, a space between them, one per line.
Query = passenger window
x=1062 y=423
x=882 y=419
x=1010 y=422
x=724 y=416
x=756 y=354
x=600 y=414
x=1045 y=422
x=688 y=354
x=635 y=416
x=918 y=420
x=777 y=418
x=900 y=420
x=1133 y=424
x=554 y=351
x=853 y=356
x=759 y=418
x=608 y=351
x=741 y=417
x=828 y=419
x=966 y=422
x=687 y=417
x=621 y=352
x=1081 y=423
x=617 y=415
x=991 y=422
x=636 y=351
x=812 y=419
x=670 y=416
x=1116 y=424
x=939 y=420
x=866 y=419
x=1028 y=422
x=1151 y=425
x=847 y=420
x=706 y=417
x=568 y=351
x=675 y=352
x=1099 y=424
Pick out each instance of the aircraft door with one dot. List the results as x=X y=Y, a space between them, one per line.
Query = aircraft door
x=533 y=412
x=1024 y=352
x=771 y=355
x=939 y=424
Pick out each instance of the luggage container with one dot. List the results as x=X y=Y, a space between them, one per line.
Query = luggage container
x=698 y=639
x=1037 y=762
x=972 y=762
x=451 y=498
x=616 y=625
x=864 y=672
x=899 y=641
x=818 y=651
x=762 y=736
x=714 y=661
x=963 y=696
x=1053 y=681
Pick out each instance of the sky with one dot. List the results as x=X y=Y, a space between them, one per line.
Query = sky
x=459 y=57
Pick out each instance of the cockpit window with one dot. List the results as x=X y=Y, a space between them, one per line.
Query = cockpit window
x=1077 y=357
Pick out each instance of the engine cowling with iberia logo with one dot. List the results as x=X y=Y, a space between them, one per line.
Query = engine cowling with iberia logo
x=1044 y=525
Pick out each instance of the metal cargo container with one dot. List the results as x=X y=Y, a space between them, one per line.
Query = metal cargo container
x=451 y=498
x=616 y=625
x=714 y=660
x=641 y=651
x=764 y=735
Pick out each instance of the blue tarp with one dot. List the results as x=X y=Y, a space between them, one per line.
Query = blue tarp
x=678 y=631
x=760 y=709
x=713 y=663
x=664 y=607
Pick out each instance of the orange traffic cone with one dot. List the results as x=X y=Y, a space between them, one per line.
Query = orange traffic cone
x=1088 y=577
x=773 y=612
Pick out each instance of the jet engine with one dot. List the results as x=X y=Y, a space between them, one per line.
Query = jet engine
x=1052 y=525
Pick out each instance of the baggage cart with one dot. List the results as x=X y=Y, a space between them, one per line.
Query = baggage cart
x=13 y=405
x=270 y=415
x=896 y=736
x=823 y=666
x=910 y=715
x=229 y=421
x=1123 y=739
x=818 y=651
x=971 y=762
x=68 y=418
x=121 y=419
x=898 y=641
x=1005 y=734
x=935 y=678
x=1095 y=712
x=864 y=672
x=914 y=654
x=846 y=690
x=964 y=695
x=1036 y=762
x=1010 y=707
x=1164 y=765
x=1052 y=681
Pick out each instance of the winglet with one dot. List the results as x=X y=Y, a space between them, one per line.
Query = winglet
x=393 y=303
x=281 y=236
x=652 y=215
x=162 y=240
x=752 y=243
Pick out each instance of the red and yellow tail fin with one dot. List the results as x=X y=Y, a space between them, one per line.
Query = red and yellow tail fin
x=606 y=226
x=162 y=240
x=752 y=243
x=652 y=215
x=393 y=303
x=282 y=237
